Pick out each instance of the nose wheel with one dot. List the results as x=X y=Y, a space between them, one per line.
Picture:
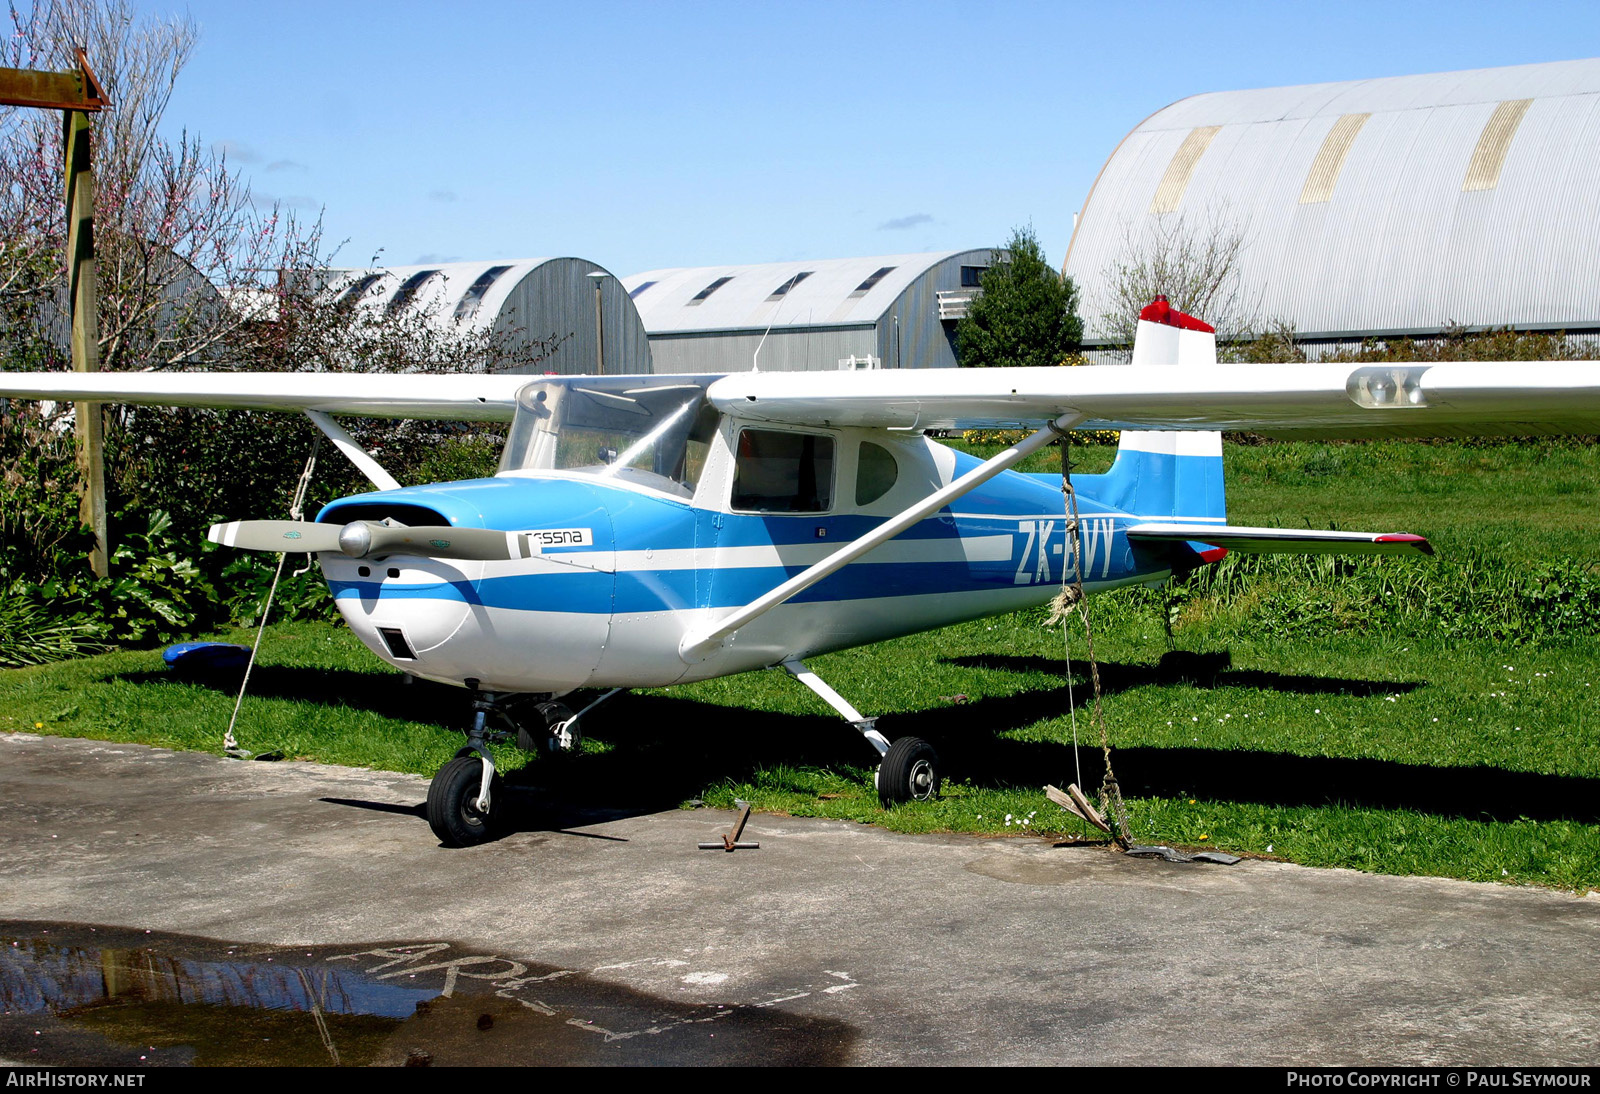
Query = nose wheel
x=459 y=812
x=462 y=796
x=909 y=772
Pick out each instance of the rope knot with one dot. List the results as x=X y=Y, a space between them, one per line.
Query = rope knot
x=1061 y=607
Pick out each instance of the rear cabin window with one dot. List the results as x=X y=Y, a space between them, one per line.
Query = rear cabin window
x=876 y=472
x=783 y=472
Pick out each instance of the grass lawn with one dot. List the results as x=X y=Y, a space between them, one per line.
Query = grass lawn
x=1371 y=747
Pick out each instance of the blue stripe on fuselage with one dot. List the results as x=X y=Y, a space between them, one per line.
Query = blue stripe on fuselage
x=1022 y=507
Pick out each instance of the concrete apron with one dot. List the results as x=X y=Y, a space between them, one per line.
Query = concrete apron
x=612 y=938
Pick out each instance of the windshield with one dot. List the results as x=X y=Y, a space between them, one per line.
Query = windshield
x=650 y=430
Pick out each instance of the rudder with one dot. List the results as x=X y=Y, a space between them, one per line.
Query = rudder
x=1168 y=474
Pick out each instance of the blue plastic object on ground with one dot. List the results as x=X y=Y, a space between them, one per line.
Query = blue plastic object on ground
x=202 y=658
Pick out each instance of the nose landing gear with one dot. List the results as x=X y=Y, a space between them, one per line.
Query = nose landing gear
x=461 y=798
x=459 y=813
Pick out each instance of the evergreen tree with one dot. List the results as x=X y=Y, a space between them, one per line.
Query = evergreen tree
x=1026 y=313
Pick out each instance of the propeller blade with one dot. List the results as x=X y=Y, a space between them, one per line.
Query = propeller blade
x=366 y=538
x=288 y=536
x=362 y=538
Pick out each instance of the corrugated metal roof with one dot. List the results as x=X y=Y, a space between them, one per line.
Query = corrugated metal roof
x=833 y=292
x=470 y=292
x=530 y=302
x=1396 y=204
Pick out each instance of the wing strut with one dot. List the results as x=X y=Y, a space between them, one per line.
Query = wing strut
x=357 y=455
x=699 y=643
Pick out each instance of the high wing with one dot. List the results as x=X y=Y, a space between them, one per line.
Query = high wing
x=1285 y=400
x=1438 y=400
x=462 y=397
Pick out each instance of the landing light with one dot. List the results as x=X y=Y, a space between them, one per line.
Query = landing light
x=1386 y=387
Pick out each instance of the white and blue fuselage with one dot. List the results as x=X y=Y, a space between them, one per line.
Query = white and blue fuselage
x=634 y=556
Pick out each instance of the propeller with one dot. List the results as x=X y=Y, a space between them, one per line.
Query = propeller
x=365 y=538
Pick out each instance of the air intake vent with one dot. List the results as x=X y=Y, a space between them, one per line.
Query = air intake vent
x=395 y=639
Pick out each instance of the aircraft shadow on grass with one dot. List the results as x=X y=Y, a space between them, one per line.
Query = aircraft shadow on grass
x=663 y=750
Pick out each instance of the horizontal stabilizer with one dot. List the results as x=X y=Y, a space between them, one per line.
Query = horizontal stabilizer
x=1271 y=541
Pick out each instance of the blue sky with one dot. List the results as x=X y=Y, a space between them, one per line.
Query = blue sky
x=646 y=135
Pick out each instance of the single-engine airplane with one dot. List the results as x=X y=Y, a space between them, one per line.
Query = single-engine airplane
x=650 y=530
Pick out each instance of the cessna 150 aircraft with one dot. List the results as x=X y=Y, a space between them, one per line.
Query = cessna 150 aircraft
x=650 y=530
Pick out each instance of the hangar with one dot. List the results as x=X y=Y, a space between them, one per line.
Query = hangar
x=1375 y=208
x=891 y=311
x=571 y=300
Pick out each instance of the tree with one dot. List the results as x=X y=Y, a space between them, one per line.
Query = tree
x=192 y=273
x=177 y=236
x=1025 y=314
x=1195 y=264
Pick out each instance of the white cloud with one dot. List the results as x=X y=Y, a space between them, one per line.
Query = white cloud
x=900 y=224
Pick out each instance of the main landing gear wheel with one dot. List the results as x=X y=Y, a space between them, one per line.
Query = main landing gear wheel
x=909 y=772
x=543 y=735
x=453 y=803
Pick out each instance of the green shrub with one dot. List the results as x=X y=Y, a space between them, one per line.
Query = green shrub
x=30 y=636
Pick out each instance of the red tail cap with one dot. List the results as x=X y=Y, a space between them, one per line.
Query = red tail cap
x=1159 y=311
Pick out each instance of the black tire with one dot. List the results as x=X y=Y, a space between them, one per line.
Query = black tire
x=536 y=736
x=909 y=772
x=452 y=810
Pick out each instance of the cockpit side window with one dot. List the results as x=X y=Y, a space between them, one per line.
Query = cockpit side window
x=782 y=472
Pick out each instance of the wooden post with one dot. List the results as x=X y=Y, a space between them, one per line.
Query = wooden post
x=84 y=303
x=78 y=94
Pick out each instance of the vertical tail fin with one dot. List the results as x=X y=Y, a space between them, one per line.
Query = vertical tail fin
x=1169 y=474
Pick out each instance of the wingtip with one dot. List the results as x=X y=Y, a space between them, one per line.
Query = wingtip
x=1419 y=542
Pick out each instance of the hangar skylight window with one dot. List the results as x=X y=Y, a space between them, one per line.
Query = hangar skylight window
x=700 y=296
x=1176 y=180
x=782 y=290
x=359 y=289
x=467 y=306
x=637 y=289
x=1483 y=170
x=407 y=290
x=877 y=275
x=1324 y=173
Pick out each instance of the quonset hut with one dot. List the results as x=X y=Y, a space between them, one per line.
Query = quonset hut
x=892 y=311
x=524 y=300
x=1373 y=208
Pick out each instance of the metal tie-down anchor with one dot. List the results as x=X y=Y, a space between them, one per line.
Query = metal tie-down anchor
x=730 y=840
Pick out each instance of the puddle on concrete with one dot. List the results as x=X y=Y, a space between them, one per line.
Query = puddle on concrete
x=108 y=997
